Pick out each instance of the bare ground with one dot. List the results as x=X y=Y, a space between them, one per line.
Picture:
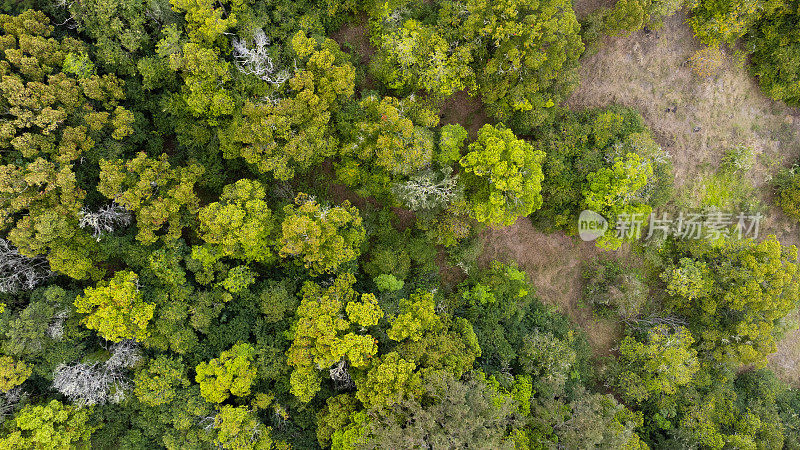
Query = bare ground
x=466 y=110
x=584 y=7
x=356 y=34
x=554 y=264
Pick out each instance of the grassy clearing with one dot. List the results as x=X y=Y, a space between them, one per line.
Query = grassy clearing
x=554 y=262
x=711 y=116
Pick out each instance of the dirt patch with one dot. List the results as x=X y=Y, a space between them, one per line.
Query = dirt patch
x=554 y=264
x=356 y=35
x=584 y=7
x=353 y=37
x=465 y=110
x=786 y=361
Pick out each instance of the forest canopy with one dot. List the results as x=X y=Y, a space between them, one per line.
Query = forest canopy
x=246 y=224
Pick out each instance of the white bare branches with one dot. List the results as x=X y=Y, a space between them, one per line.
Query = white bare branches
x=256 y=60
x=56 y=328
x=427 y=190
x=9 y=401
x=105 y=220
x=18 y=272
x=341 y=377
x=124 y=355
x=98 y=383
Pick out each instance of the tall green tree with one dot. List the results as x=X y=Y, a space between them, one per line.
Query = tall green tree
x=321 y=237
x=231 y=373
x=290 y=131
x=116 y=308
x=158 y=193
x=774 y=43
x=52 y=425
x=659 y=366
x=391 y=142
x=526 y=52
x=323 y=336
x=241 y=223
x=503 y=176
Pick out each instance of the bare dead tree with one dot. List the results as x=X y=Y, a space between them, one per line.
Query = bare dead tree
x=654 y=320
x=428 y=190
x=256 y=60
x=124 y=355
x=107 y=219
x=9 y=401
x=207 y=422
x=19 y=272
x=56 y=327
x=341 y=377
x=97 y=383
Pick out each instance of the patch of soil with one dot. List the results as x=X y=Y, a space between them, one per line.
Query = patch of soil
x=649 y=72
x=584 y=7
x=464 y=109
x=786 y=361
x=554 y=264
x=357 y=35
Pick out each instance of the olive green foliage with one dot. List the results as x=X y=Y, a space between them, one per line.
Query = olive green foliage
x=323 y=335
x=240 y=224
x=393 y=140
x=611 y=192
x=597 y=420
x=158 y=383
x=321 y=237
x=503 y=176
x=613 y=287
x=413 y=56
x=116 y=308
x=430 y=340
x=661 y=365
x=448 y=412
x=735 y=295
x=606 y=161
x=118 y=30
x=775 y=44
x=787 y=183
x=53 y=425
x=12 y=373
x=625 y=17
x=157 y=193
x=238 y=428
x=290 y=131
x=725 y=21
x=231 y=373
x=519 y=55
x=741 y=412
x=515 y=330
x=154 y=248
x=58 y=111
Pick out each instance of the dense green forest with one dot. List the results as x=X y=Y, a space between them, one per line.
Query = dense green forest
x=220 y=227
